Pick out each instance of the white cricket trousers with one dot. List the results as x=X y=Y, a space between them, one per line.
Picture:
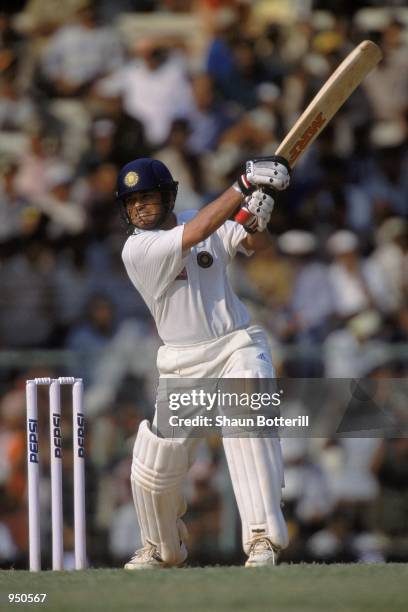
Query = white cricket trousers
x=255 y=464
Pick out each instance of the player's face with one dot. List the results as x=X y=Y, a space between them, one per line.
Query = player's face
x=144 y=208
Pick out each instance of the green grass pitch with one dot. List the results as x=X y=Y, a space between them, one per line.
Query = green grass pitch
x=288 y=588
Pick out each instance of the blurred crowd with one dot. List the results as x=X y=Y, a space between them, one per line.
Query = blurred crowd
x=202 y=85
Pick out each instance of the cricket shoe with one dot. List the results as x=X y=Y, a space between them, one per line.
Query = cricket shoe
x=149 y=557
x=262 y=553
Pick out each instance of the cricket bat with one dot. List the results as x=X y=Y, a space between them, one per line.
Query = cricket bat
x=340 y=85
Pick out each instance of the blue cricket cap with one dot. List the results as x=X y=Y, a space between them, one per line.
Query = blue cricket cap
x=144 y=174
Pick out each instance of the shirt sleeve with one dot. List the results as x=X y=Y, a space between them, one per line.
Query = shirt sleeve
x=153 y=260
x=232 y=234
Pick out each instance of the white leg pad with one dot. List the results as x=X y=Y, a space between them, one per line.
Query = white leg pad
x=256 y=469
x=158 y=469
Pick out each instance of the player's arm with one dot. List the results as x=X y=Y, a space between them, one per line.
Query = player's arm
x=210 y=218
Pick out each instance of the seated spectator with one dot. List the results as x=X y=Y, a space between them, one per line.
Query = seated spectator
x=232 y=60
x=266 y=114
x=248 y=73
x=351 y=350
x=100 y=146
x=386 y=186
x=356 y=286
x=184 y=164
x=307 y=487
x=311 y=305
x=352 y=482
x=391 y=259
x=120 y=360
x=96 y=192
x=219 y=60
x=339 y=201
x=63 y=215
x=273 y=278
x=80 y=52
x=129 y=141
x=12 y=204
x=16 y=109
x=92 y=334
x=390 y=76
x=35 y=163
x=211 y=117
x=161 y=71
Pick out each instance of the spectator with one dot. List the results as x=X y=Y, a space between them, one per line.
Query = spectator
x=64 y=217
x=355 y=285
x=183 y=163
x=311 y=305
x=161 y=71
x=391 y=75
x=211 y=117
x=11 y=204
x=391 y=259
x=80 y=52
x=35 y=163
x=92 y=334
x=387 y=186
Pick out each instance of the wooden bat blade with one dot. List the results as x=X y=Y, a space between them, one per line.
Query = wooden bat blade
x=340 y=85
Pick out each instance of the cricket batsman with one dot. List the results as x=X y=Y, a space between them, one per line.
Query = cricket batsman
x=178 y=262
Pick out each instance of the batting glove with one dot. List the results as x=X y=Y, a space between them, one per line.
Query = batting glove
x=260 y=205
x=272 y=172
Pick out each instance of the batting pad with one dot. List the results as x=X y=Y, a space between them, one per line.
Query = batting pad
x=158 y=469
x=256 y=469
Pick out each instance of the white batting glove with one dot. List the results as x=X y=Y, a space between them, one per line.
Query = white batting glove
x=272 y=172
x=267 y=173
x=260 y=205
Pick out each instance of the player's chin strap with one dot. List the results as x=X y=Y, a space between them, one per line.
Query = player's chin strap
x=153 y=225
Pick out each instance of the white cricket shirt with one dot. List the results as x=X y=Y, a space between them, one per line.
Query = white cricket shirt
x=190 y=302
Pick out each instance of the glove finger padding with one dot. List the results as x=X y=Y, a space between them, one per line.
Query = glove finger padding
x=273 y=172
x=278 y=182
x=260 y=204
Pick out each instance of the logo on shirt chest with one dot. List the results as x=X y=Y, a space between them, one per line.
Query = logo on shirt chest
x=205 y=259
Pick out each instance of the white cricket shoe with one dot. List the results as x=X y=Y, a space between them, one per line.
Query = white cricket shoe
x=262 y=553
x=149 y=557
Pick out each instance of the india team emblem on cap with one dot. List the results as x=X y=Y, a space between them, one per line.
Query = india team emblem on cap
x=131 y=179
